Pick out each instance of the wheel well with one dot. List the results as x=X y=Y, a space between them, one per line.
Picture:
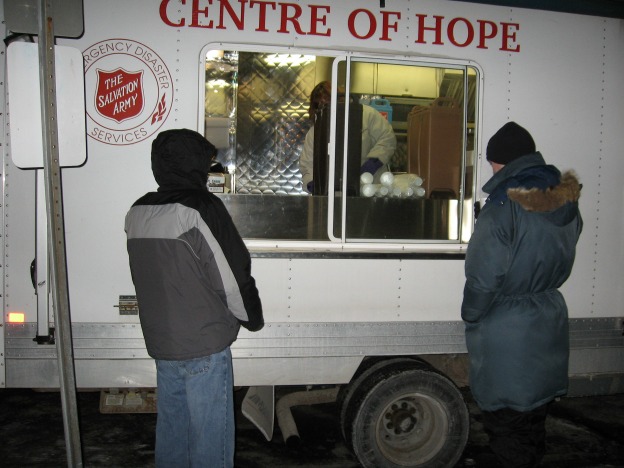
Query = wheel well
x=453 y=366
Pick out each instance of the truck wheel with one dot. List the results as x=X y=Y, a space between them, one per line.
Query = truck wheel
x=415 y=418
x=362 y=381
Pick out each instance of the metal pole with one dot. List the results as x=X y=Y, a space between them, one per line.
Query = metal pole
x=56 y=235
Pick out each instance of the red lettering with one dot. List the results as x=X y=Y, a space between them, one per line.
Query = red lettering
x=239 y=21
x=422 y=28
x=362 y=23
x=484 y=35
x=487 y=30
x=508 y=35
x=196 y=12
x=386 y=25
x=165 y=18
x=451 y=32
x=372 y=24
x=263 y=12
x=319 y=18
x=294 y=19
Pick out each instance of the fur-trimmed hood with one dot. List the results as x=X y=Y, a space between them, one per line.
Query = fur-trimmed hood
x=536 y=187
x=535 y=199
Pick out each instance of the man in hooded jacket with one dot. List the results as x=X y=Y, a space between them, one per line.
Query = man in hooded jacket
x=378 y=139
x=516 y=320
x=192 y=275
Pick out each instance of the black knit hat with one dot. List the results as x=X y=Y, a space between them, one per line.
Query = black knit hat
x=509 y=143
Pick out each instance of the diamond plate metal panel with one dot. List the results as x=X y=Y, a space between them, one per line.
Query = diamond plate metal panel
x=266 y=97
x=272 y=123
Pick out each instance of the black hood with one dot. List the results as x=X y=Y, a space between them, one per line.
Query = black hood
x=181 y=160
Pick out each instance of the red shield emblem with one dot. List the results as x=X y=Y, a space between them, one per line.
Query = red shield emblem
x=119 y=94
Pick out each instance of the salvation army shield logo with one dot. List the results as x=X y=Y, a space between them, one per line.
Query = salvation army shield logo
x=119 y=94
x=129 y=91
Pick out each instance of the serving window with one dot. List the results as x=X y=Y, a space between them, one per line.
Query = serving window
x=419 y=189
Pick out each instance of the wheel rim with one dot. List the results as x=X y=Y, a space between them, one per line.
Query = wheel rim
x=411 y=429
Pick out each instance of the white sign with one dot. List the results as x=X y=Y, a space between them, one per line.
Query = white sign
x=25 y=105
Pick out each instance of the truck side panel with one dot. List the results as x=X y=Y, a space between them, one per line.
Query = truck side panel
x=328 y=304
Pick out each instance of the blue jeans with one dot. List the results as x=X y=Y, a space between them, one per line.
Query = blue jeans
x=195 y=422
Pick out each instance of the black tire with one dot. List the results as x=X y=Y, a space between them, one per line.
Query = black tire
x=410 y=418
x=360 y=385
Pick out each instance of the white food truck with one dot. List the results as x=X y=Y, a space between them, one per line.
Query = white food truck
x=361 y=288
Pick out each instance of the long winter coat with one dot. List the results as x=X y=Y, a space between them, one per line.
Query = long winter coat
x=521 y=252
x=190 y=267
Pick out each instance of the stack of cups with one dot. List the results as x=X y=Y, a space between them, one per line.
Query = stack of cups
x=396 y=186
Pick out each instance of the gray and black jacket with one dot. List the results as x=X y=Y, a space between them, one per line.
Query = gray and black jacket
x=190 y=267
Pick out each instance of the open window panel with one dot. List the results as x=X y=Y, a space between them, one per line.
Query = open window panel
x=256 y=113
x=423 y=190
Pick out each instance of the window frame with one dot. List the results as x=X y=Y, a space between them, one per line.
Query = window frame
x=465 y=218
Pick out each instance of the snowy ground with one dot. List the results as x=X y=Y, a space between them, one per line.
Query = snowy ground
x=582 y=432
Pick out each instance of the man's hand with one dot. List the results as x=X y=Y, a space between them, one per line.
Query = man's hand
x=371 y=165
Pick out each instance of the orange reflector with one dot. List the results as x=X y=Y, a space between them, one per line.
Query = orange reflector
x=16 y=317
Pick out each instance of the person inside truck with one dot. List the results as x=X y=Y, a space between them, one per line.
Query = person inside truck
x=378 y=139
x=192 y=275
x=516 y=320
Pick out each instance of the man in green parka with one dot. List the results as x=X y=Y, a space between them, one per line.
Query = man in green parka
x=521 y=252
